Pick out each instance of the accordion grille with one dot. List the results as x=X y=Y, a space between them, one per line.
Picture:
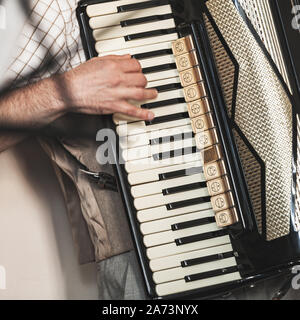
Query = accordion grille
x=259 y=13
x=263 y=113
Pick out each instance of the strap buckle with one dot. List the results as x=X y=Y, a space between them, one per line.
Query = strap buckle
x=104 y=180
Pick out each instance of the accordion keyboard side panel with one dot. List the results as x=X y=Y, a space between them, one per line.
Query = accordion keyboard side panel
x=251 y=167
x=263 y=112
x=252 y=172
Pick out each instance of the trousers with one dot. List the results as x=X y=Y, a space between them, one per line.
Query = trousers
x=119 y=278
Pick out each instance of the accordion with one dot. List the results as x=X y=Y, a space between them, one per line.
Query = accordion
x=210 y=185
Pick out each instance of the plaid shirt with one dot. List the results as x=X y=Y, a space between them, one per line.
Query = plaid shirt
x=49 y=42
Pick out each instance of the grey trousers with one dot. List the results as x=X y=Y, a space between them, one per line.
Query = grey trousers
x=119 y=278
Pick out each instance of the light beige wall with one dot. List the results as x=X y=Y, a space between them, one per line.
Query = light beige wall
x=36 y=248
x=10 y=28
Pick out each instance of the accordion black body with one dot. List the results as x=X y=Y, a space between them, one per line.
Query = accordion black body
x=240 y=97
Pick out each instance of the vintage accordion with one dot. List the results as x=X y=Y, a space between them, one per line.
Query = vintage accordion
x=210 y=185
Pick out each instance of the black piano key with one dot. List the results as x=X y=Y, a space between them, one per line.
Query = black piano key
x=192 y=223
x=148 y=34
x=155 y=141
x=132 y=22
x=163 y=103
x=142 y=5
x=180 y=173
x=168 y=118
x=174 y=153
x=159 y=68
x=212 y=258
x=168 y=87
x=176 y=137
x=200 y=237
x=210 y=274
x=183 y=188
x=152 y=54
x=187 y=203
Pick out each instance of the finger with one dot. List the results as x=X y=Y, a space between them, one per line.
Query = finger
x=138 y=94
x=134 y=80
x=116 y=57
x=126 y=108
x=130 y=65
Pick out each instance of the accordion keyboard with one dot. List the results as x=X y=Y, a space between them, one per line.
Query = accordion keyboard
x=181 y=193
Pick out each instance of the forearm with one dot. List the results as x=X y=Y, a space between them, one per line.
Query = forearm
x=33 y=106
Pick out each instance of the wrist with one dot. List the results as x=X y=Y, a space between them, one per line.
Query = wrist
x=67 y=91
x=58 y=88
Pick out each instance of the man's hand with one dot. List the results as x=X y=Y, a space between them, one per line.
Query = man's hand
x=106 y=85
x=99 y=86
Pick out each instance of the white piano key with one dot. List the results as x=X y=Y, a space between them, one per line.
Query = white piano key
x=140 y=127
x=167 y=237
x=153 y=175
x=144 y=139
x=175 y=261
x=135 y=128
x=157 y=61
x=180 y=273
x=167 y=45
x=119 y=43
x=150 y=163
x=167 y=95
x=120 y=118
x=164 y=133
x=157 y=187
x=165 y=224
x=160 y=200
x=150 y=150
x=133 y=141
x=181 y=286
x=172 y=249
x=102 y=21
x=155 y=76
x=117 y=32
x=161 y=212
x=110 y=7
x=158 y=83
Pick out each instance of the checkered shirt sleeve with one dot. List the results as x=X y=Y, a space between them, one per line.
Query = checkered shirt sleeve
x=49 y=42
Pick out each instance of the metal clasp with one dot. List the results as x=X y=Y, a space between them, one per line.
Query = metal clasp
x=104 y=180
